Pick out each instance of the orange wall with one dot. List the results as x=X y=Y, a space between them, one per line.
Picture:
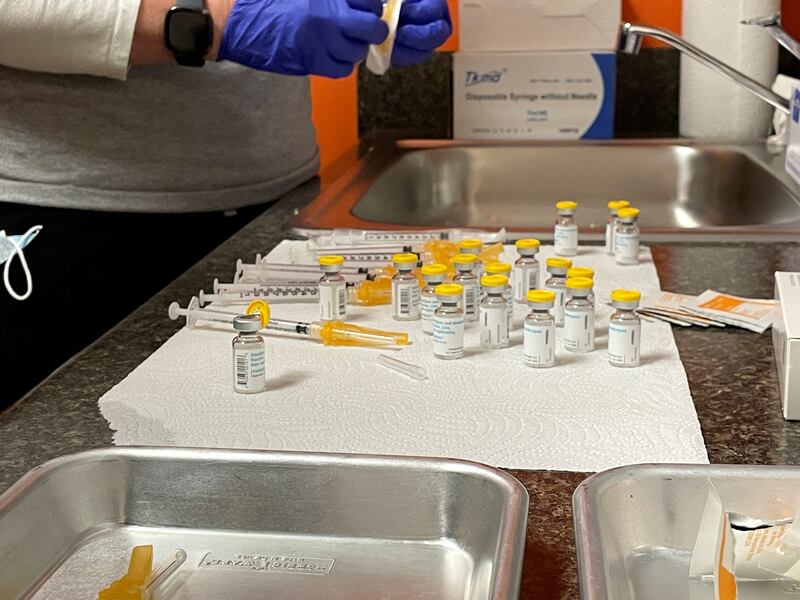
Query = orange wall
x=335 y=103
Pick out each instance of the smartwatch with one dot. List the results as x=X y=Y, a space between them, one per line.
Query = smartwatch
x=189 y=32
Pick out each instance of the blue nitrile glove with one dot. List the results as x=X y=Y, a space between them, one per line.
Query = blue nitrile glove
x=424 y=26
x=302 y=37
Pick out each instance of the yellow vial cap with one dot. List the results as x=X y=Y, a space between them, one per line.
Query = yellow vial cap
x=542 y=296
x=464 y=258
x=626 y=295
x=579 y=283
x=628 y=212
x=330 y=261
x=405 y=259
x=471 y=244
x=259 y=307
x=450 y=289
x=581 y=272
x=498 y=268
x=528 y=244
x=559 y=263
x=566 y=205
x=617 y=204
x=494 y=280
x=434 y=269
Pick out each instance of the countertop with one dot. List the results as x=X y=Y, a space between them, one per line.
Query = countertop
x=731 y=375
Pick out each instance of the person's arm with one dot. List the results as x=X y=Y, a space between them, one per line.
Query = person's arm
x=148 y=45
x=68 y=36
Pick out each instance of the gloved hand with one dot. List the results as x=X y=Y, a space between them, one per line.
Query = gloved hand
x=424 y=26
x=302 y=37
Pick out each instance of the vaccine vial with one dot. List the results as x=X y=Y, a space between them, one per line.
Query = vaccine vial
x=495 y=330
x=405 y=288
x=248 y=356
x=566 y=231
x=504 y=269
x=332 y=289
x=626 y=237
x=525 y=276
x=613 y=207
x=474 y=247
x=579 y=316
x=434 y=275
x=587 y=272
x=558 y=267
x=448 y=323
x=540 y=330
x=465 y=277
x=625 y=329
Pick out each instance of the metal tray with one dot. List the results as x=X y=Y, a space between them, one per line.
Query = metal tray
x=635 y=527
x=265 y=525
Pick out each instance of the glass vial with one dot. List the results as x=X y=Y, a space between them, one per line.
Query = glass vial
x=474 y=247
x=579 y=316
x=249 y=368
x=587 y=272
x=504 y=269
x=332 y=289
x=566 y=230
x=448 y=323
x=525 y=276
x=495 y=329
x=558 y=267
x=434 y=275
x=540 y=330
x=613 y=207
x=405 y=288
x=465 y=265
x=626 y=237
x=625 y=329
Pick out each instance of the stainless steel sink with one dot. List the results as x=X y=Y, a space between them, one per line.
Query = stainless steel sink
x=685 y=189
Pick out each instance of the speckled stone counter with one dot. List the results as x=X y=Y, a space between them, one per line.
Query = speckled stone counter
x=731 y=375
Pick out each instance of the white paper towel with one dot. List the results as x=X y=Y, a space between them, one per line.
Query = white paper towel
x=582 y=415
x=711 y=106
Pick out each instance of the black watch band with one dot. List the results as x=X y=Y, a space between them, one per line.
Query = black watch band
x=189 y=32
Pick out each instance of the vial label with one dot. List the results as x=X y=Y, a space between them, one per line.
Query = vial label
x=510 y=312
x=626 y=247
x=524 y=280
x=249 y=370
x=405 y=300
x=494 y=326
x=566 y=240
x=558 y=307
x=610 y=238
x=624 y=343
x=428 y=306
x=332 y=301
x=578 y=330
x=470 y=301
x=448 y=337
x=539 y=345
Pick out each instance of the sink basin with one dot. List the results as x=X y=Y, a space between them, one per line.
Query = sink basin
x=683 y=188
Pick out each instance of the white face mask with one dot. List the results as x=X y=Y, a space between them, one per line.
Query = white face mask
x=11 y=246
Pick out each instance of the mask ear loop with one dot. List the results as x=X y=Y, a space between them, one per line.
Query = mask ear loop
x=25 y=269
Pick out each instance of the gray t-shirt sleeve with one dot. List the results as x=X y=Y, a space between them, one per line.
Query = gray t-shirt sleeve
x=90 y=37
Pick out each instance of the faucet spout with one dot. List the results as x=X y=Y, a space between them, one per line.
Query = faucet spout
x=630 y=42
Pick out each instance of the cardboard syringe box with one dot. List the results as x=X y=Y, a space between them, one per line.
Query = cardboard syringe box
x=786 y=340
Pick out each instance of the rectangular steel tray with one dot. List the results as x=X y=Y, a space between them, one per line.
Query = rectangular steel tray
x=265 y=525
x=635 y=527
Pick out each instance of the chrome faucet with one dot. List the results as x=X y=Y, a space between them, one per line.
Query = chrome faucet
x=630 y=42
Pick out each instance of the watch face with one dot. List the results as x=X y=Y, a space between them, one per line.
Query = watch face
x=188 y=31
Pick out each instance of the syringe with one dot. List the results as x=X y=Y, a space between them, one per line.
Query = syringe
x=244 y=293
x=365 y=293
x=330 y=333
x=264 y=272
